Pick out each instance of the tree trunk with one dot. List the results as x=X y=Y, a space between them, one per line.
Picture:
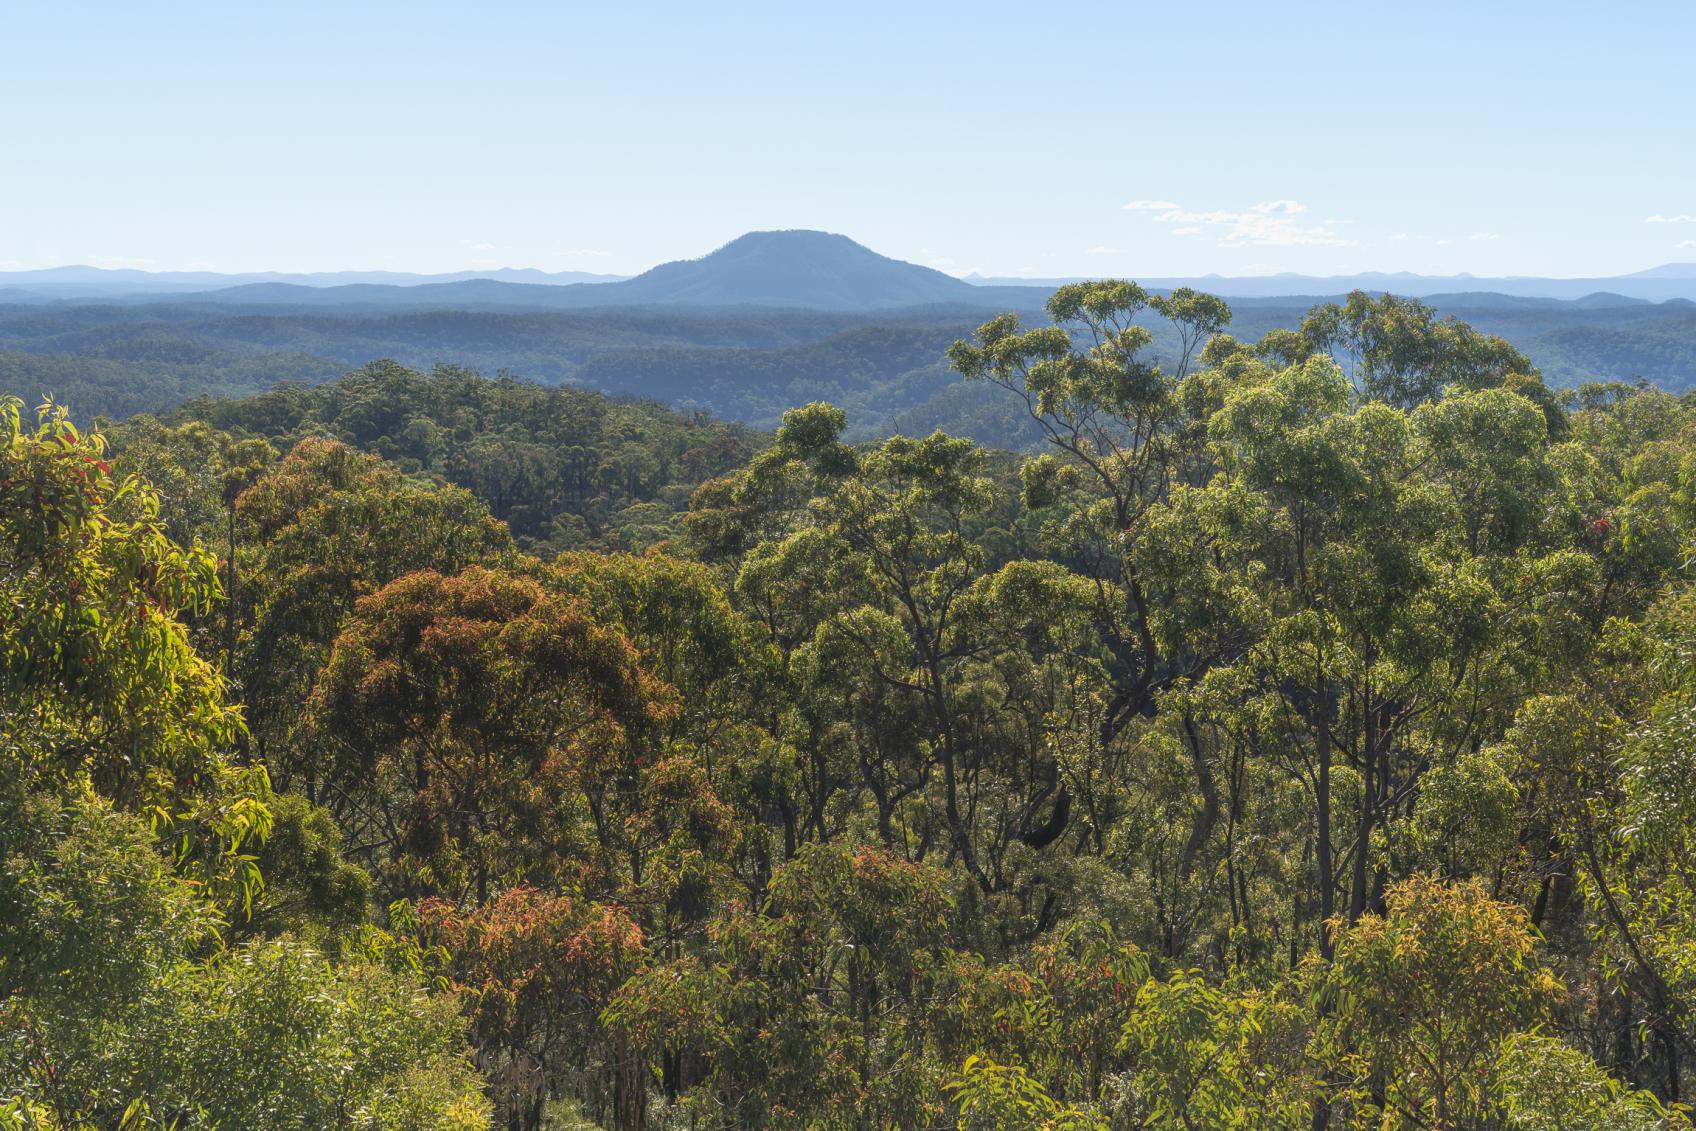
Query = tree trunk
x=1327 y=856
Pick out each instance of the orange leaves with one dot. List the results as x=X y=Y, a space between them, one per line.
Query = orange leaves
x=493 y=650
x=524 y=935
x=479 y=705
x=538 y=967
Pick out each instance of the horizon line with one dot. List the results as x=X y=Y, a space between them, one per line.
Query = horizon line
x=967 y=277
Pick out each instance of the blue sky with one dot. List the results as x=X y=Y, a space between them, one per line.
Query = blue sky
x=1495 y=138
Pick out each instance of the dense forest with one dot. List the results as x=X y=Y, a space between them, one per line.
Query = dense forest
x=1301 y=736
x=747 y=363
x=563 y=468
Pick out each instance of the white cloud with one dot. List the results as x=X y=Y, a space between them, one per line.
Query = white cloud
x=476 y=246
x=1444 y=243
x=1484 y=236
x=1404 y=236
x=1681 y=218
x=1271 y=223
x=581 y=251
x=1685 y=243
x=1104 y=251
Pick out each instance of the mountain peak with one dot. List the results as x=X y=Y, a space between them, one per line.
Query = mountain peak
x=796 y=268
x=793 y=238
x=1666 y=271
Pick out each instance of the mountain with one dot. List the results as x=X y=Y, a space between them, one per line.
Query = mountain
x=767 y=322
x=885 y=366
x=81 y=281
x=1657 y=284
x=1666 y=271
x=792 y=269
x=460 y=294
x=798 y=270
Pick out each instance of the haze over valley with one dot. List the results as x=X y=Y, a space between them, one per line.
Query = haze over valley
x=771 y=321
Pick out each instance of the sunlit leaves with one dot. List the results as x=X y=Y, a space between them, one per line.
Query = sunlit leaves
x=481 y=709
x=98 y=672
x=1426 y=993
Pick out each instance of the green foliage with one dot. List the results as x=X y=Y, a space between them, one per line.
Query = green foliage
x=1209 y=1058
x=1004 y=1096
x=328 y=526
x=1547 y=1085
x=810 y=1009
x=99 y=675
x=1301 y=739
x=310 y=888
x=118 y=1009
x=564 y=468
x=1403 y=354
x=131 y=844
x=272 y=1033
x=1425 y=995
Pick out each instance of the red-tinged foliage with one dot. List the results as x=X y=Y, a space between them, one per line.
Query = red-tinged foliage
x=494 y=721
x=536 y=969
x=332 y=525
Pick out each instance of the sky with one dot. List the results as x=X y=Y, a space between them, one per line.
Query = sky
x=1134 y=139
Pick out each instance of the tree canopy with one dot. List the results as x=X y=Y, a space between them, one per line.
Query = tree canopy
x=1301 y=739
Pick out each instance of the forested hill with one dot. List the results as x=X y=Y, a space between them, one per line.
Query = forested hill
x=787 y=269
x=117 y=361
x=564 y=468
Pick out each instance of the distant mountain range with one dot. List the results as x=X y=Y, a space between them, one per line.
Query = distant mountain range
x=767 y=322
x=1657 y=284
x=785 y=270
x=789 y=269
x=77 y=282
x=792 y=270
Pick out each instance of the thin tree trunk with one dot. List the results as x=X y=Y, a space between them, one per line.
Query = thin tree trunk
x=1327 y=857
